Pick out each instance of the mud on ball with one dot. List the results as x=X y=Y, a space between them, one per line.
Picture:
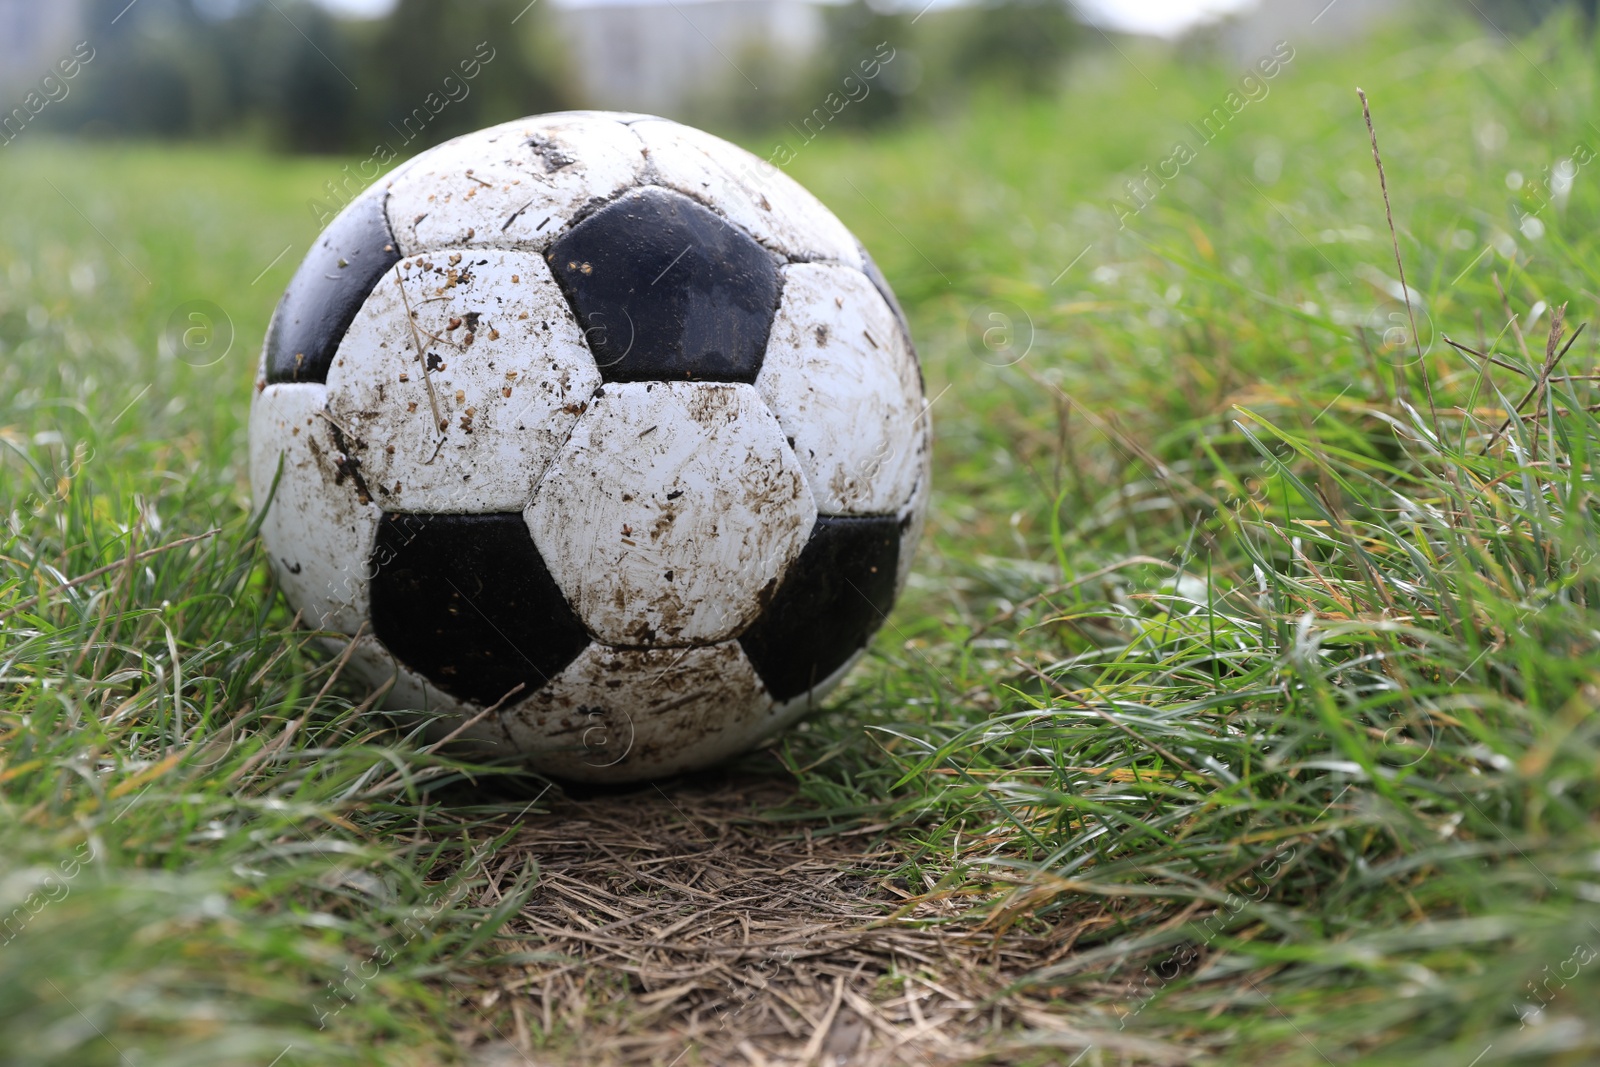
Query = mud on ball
x=601 y=422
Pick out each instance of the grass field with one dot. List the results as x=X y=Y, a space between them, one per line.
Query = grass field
x=1241 y=709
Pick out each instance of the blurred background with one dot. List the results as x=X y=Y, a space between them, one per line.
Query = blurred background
x=345 y=76
x=1124 y=232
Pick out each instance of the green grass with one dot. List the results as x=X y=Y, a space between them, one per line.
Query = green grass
x=1229 y=650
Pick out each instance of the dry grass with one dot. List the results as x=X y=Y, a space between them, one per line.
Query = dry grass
x=687 y=925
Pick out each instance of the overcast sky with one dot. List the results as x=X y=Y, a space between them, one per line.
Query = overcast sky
x=1165 y=17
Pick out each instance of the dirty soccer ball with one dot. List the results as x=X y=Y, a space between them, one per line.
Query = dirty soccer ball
x=601 y=423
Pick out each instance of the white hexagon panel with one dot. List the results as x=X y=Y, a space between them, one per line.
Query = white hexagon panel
x=319 y=529
x=842 y=378
x=643 y=712
x=672 y=512
x=757 y=196
x=458 y=380
x=377 y=665
x=515 y=185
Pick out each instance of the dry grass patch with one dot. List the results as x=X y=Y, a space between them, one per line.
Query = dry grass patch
x=685 y=925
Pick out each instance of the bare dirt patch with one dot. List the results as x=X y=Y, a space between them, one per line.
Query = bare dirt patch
x=680 y=925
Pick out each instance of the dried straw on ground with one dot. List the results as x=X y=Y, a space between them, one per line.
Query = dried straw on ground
x=677 y=925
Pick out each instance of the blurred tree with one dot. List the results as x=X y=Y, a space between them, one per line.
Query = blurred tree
x=179 y=68
x=142 y=80
x=1017 y=44
x=426 y=41
x=289 y=71
x=301 y=74
x=941 y=57
x=857 y=34
x=1519 y=16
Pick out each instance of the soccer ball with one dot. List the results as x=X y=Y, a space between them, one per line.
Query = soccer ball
x=596 y=437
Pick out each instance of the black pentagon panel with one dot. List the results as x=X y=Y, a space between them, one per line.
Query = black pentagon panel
x=869 y=267
x=467 y=602
x=831 y=602
x=326 y=292
x=666 y=290
x=880 y=283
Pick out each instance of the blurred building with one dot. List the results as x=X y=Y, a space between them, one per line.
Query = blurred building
x=661 y=56
x=34 y=34
x=1304 y=23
